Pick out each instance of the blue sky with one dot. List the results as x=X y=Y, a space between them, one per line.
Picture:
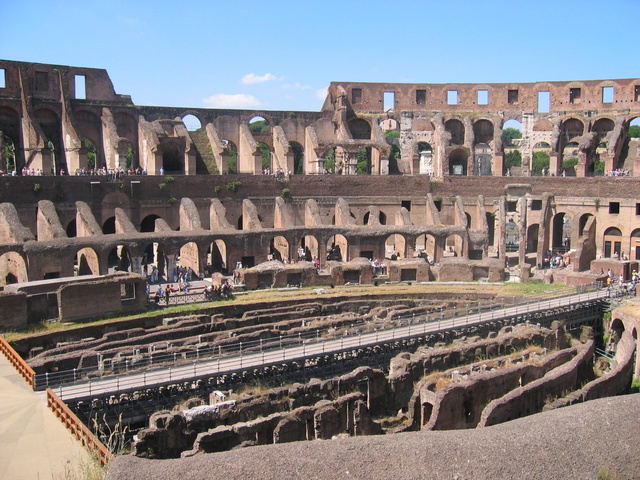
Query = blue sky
x=281 y=55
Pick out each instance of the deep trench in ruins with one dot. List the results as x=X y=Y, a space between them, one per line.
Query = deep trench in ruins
x=351 y=391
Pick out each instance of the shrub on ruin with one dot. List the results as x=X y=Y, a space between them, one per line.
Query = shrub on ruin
x=540 y=161
x=513 y=159
x=217 y=189
x=569 y=162
x=233 y=186
x=286 y=193
x=36 y=188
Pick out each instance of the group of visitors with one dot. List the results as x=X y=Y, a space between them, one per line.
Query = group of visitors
x=379 y=268
x=618 y=172
x=110 y=173
x=279 y=173
x=554 y=260
x=218 y=292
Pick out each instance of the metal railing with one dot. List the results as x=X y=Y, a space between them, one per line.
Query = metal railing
x=404 y=327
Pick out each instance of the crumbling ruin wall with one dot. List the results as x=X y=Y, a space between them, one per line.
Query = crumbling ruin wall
x=531 y=398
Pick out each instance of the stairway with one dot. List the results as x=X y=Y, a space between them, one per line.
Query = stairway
x=205 y=161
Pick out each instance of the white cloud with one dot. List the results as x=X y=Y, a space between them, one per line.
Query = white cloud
x=239 y=100
x=322 y=93
x=296 y=86
x=253 y=78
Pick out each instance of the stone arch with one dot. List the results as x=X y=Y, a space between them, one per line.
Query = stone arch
x=310 y=246
x=512 y=236
x=491 y=228
x=425 y=245
x=532 y=238
x=13 y=268
x=542 y=146
x=190 y=257
x=483 y=132
x=298 y=157
x=338 y=248
x=119 y=259
x=172 y=157
x=484 y=159
x=458 y=159
x=360 y=129
x=155 y=256
x=10 y=126
x=279 y=248
x=389 y=124
x=583 y=222
x=109 y=226
x=634 y=245
x=228 y=128
x=192 y=121
x=456 y=129
x=602 y=126
x=49 y=122
x=148 y=224
x=382 y=218
x=570 y=131
x=561 y=232
x=86 y=262
x=89 y=127
x=217 y=257
x=612 y=243
x=454 y=246
x=72 y=229
x=395 y=246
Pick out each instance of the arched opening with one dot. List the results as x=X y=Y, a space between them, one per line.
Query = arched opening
x=532 y=238
x=232 y=156
x=456 y=129
x=453 y=246
x=363 y=165
x=119 y=259
x=458 y=162
x=512 y=236
x=71 y=229
x=382 y=218
x=630 y=148
x=394 y=157
x=240 y=224
x=390 y=125
x=360 y=129
x=259 y=125
x=217 y=257
x=329 y=162
x=634 y=253
x=191 y=122
x=337 y=248
x=148 y=224
x=91 y=151
x=190 y=257
x=612 y=242
x=279 y=249
x=298 y=158
x=109 y=226
x=172 y=159
x=583 y=222
x=482 y=153
x=51 y=127
x=511 y=143
x=308 y=248
x=10 y=132
x=394 y=247
x=483 y=131
x=86 y=262
x=155 y=262
x=13 y=268
x=561 y=238
x=491 y=228
x=266 y=157
x=425 y=247
x=425 y=151
x=468 y=217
